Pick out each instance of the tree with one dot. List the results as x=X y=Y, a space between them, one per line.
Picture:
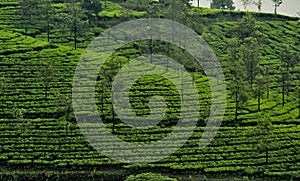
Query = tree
x=18 y=113
x=248 y=35
x=46 y=12
x=62 y=21
x=65 y=104
x=277 y=3
x=76 y=25
x=288 y=61
x=238 y=86
x=251 y=57
x=258 y=3
x=102 y=82
x=267 y=74
x=47 y=74
x=92 y=7
x=259 y=88
x=109 y=71
x=140 y=3
x=246 y=28
x=246 y=3
x=284 y=79
x=223 y=4
x=263 y=133
x=28 y=11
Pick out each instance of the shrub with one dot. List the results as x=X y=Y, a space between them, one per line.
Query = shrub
x=149 y=177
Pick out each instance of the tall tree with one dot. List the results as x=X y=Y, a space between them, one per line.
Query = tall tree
x=46 y=11
x=223 y=4
x=92 y=7
x=263 y=133
x=284 y=79
x=251 y=57
x=110 y=69
x=62 y=22
x=47 y=74
x=277 y=3
x=267 y=75
x=246 y=28
x=246 y=3
x=28 y=11
x=248 y=35
x=65 y=108
x=19 y=113
x=259 y=88
x=288 y=61
x=258 y=3
x=75 y=18
x=238 y=86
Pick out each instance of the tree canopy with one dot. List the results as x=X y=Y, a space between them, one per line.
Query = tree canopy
x=223 y=4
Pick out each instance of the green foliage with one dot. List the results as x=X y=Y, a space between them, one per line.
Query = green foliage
x=263 y=132
x=116 y=11
x=223 y=4
x=250 y=49
x=93 y=6
x=259 y=88
x=47 y=74
x=18 y=113
x=148 y=177
x=45 y=145
x=28 y=13
x=239 y=88
x=246 y=27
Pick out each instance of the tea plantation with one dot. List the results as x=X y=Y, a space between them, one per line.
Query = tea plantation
x=40 y=138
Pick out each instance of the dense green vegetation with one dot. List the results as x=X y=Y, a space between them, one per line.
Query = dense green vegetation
x=260 y=134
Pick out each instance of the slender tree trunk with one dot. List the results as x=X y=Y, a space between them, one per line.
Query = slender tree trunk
x=268 y=91
x=236 y=98
x=198 y=3
x=113 y=115
x=75 y=30
x=46 y=90
x=75 y=38
x=299 y=109
x=287 y=80
x=267 y=156
x=168 y=53
x=151 y=48
x=182 y=86
x=258 y=101
x=102 y=100
x=251 y=73
x=236 y=106
x=283 y=88
x=48 y=31
x=61 y=37
x=67 y=127
x=140 y=51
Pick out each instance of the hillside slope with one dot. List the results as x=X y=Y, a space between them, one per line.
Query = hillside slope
x=38 y=141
